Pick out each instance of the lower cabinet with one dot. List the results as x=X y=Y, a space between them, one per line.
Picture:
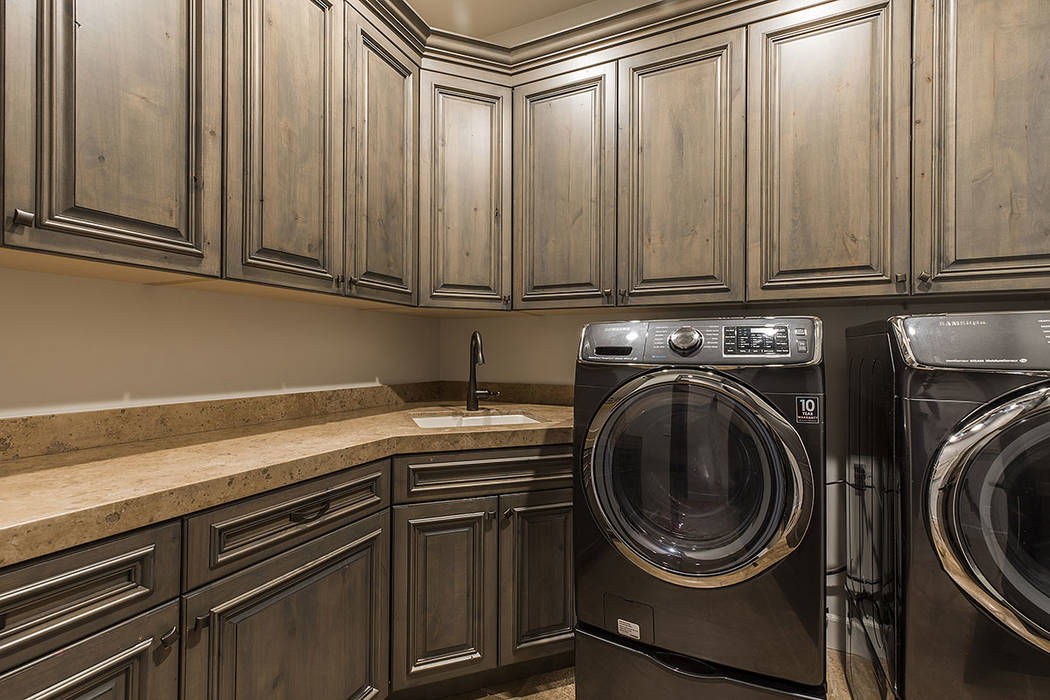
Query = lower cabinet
x=480 y=583
x=309 y=623
x=135 y=660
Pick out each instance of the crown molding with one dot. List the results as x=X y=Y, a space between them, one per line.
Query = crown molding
x=450 y=47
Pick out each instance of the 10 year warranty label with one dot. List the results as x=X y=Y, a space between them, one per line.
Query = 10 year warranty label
x=807 y=409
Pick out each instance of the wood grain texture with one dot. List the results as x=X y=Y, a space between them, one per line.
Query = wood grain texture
x=309 y=623
x=110 y=130
x=828 y=151
x=465 y=193
x=382 y=222
x=982 y=119
x=565 y=190
x=283 y=134
x=445 y=590
x=536 y=580
x=681 y=202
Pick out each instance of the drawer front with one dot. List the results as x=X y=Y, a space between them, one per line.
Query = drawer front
x=55 y=601
x=135 y=660
x=229 y=538
x=441 y=475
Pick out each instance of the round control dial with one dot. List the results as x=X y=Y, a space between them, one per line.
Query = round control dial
x=685 y=340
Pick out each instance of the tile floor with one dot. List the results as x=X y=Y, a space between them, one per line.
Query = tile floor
x=558 y=685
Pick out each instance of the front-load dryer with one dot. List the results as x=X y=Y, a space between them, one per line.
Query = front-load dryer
x=699 y=534
x=948 y=507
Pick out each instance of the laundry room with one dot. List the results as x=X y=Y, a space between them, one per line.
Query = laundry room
x=561 y=350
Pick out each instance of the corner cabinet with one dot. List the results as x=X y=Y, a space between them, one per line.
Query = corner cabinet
x=382 y=173
x=284 y=142
x=982 y=123
x=112 y=126
x=681 y=173
x=565 y=190
x=464 y=193
x=828 y=151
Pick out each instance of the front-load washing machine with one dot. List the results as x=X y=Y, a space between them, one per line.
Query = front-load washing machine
x=699 y=530
x=948 y=507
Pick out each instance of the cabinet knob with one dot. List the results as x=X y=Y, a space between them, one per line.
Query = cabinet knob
x=606 y=293
x=506 y=300
x=339 y=279
x=623 y=293
x=168 y=639
x=924 y=277
x=900 y=277
x=508 y=514
x=351 y=280
x=22 y=217
x=490 y=515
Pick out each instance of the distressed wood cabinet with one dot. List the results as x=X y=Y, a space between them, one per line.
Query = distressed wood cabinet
x=828 y=151
x=445 y=591
x=284 y=150
x=112 y=133
x=565 y=190
x=464 y=193
x=681 y=172
x=982 y=123
x=382 y=126
x=536 y=582
x=309 y=623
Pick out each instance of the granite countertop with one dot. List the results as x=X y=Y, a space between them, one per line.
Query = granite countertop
x=52 y=502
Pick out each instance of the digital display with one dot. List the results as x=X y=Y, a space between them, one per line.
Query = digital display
x=755 y=340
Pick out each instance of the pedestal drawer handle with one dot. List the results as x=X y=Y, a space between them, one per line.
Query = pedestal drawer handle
x=306 y=516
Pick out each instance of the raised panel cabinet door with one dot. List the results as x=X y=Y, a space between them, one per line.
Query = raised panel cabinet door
x=828 y=151
x=111 y=120
x=982 y=125
x=446 y=585
x=284 y=102
x=536 y=583
x=308 y=624
x=682 y=124
x=565 y=190
x=135 y=660
x=382 y=187
x=464 y=193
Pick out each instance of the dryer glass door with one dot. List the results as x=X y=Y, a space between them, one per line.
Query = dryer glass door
x=989 y=511
x=697 y=479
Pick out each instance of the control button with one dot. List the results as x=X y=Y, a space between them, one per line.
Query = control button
x=802 y=345
x=685 y=340
x=800 y=332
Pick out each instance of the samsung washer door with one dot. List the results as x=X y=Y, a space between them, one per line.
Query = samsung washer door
x=697 y=479
x=988 y=507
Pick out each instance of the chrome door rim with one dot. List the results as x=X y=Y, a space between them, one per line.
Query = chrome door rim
x=942 y=490
x=796 y=515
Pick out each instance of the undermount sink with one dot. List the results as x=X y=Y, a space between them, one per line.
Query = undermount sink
x=472 y=421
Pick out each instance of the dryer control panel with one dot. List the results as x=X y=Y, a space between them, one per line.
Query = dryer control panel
x=793 y=340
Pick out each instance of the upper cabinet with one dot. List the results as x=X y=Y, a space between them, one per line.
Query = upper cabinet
x=112 y=130
x=382 y=181
x=982 y=125
x=464 y=193
x=565 y=190
x=681 y=172
x=828 y=151
x=284 y=108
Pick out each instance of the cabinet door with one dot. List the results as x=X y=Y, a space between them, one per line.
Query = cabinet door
x=445 y=590
x=565 y=190
x=283 y=135
x=681 y=207
x=535 y=563
x=828 y=151
x=111 y=123
x=135 y=660
x=309 y=623
x=382 y=187
x=982 y=123
x=464 y=193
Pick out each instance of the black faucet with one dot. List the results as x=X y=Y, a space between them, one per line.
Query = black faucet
x=477 y=357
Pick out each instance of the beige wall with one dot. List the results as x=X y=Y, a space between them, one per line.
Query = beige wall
x=72 y=343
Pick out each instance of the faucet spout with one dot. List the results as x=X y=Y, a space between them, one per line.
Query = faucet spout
x=477 y=357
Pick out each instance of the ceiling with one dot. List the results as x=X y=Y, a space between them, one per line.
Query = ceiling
x=511 y=23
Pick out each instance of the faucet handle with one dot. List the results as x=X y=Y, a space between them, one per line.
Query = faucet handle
x=487 y=393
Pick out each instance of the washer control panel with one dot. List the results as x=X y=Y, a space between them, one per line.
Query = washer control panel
x=717 y=342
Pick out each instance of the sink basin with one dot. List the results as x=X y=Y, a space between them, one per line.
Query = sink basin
x=472 y=421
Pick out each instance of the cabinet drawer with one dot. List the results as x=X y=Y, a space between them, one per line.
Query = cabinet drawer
x=228 y=538
x=441 y=475
x=55 y=601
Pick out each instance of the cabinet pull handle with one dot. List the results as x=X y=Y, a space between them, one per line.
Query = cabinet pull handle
x=490 y=515
x=506 y=299
x=900 y=277
x=924 y=277
x=23 y=218
x=339 y=279
x=508 y=514
x=201 y=621
x=351 y=280
x=167 y=640
x=607 y=293
x=623 y=293
x=306 y=516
